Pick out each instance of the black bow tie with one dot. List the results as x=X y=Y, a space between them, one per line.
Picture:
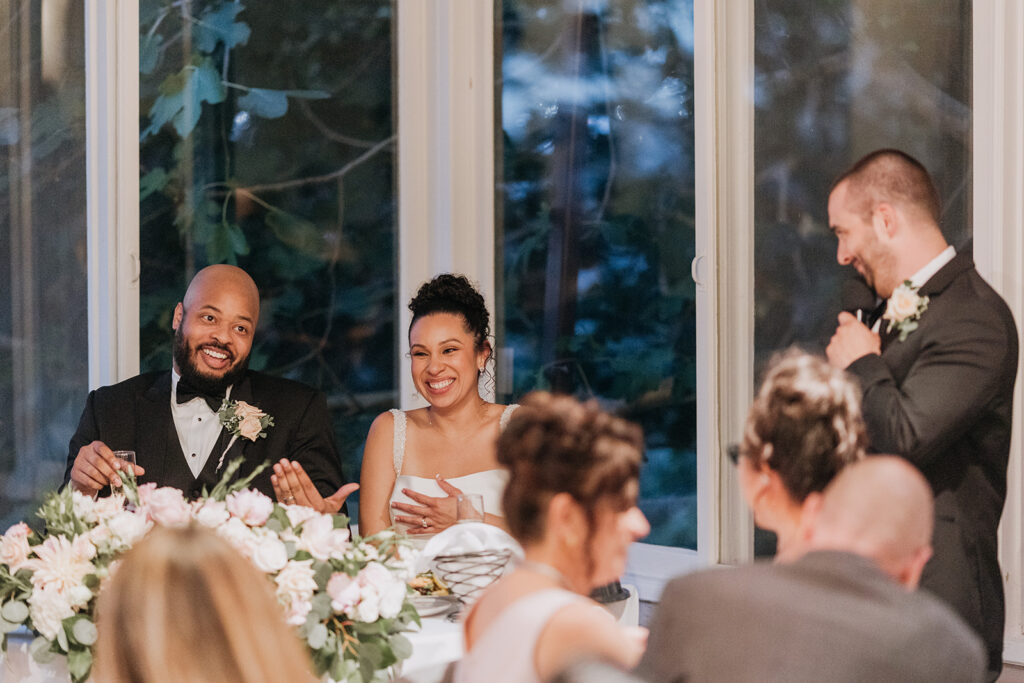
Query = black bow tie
x=873 y=315
x=187 y=392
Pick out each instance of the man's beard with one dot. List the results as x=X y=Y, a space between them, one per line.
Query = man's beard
x=190 y=372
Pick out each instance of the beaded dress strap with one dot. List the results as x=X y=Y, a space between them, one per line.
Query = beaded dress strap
x=506 y=415
x=398 y=441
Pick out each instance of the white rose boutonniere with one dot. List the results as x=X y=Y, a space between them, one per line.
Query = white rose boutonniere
x=904 y=309
x=244 y=420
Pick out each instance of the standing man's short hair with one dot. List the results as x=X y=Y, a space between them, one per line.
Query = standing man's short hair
x=889 y=175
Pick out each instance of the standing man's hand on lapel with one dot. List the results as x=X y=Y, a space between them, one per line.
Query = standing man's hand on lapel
x=852 y=340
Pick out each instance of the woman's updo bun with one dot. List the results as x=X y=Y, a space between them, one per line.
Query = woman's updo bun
x=452 y=293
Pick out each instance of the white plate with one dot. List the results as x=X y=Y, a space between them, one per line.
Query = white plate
x=432 y=605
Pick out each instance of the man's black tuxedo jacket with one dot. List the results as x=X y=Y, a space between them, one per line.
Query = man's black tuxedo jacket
x=943 y=399
x=136 y=415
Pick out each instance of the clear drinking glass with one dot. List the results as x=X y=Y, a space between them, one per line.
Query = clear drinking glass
x=126 y=456
x=470 y=507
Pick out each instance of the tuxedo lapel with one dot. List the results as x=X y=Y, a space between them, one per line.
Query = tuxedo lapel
x=949 y=272
x=155 y=434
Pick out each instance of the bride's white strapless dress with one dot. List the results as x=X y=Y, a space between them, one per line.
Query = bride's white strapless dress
x=488 y=483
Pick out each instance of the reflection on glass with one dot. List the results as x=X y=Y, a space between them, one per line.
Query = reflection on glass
x=268 y=141
x=595 y=230
x=43 y=310
x=835 y=81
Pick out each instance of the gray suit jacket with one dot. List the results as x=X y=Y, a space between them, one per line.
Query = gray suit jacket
x=829 y=616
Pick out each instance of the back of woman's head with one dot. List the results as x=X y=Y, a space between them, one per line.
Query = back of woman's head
x=805 y=423
x=554 y=444
x=453 y=293
x=184 y=605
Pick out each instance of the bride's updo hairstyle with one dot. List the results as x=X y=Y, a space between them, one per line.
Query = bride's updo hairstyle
x=452 y=293
x=554 y=444
x=805 y=423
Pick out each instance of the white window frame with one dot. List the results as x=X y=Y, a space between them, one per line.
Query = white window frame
x=998 y=219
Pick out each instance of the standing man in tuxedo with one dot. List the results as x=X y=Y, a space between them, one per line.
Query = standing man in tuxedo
x=170 y=418
x=937 y=372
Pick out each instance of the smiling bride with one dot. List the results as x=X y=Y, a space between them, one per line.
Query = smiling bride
x=417 y=462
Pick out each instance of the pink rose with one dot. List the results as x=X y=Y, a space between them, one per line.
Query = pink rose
x=166 y=506
x=250 y=428
x=14 y=548
x=244 y=410
x=251 y=506
x=344 y=592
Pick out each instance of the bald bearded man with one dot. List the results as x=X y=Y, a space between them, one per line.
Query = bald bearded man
x=847 y=610
x=170 y=418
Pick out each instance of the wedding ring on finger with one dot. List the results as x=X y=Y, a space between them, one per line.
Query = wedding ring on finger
x=289 y=500
x=423 y=522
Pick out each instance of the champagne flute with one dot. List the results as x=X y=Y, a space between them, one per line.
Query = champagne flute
x=126 y=457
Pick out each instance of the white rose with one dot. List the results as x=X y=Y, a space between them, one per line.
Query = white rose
x=368 y=609
x=344 y=592
x=239 y=535
x=318 y=537
x=212 y=513
x=295 y=586
x=902 y=304
x=269 y=555
x=48 y=608
x=297 y=514
x=167 y=506
x=83 y=507
x=14 y=547
x=79 y=596
x=392 y=598
x=105 y=508
x=251 y=506
x=250 y=428
x=128 y=527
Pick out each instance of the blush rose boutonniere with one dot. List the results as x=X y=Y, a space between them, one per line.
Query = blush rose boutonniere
x=244 y=420
x=904 y=309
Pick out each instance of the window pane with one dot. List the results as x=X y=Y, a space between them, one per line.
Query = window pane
x=596 y=225
x=835 y=81
x=268 y=141
x=44 y=373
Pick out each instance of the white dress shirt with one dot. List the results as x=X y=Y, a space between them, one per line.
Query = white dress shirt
x=197 y=426
x=925 y=274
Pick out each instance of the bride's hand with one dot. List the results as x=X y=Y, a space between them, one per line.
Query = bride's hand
x=292 y=486
x=432 y=514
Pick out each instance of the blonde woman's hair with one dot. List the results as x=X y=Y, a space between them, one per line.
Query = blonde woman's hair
x=184 y=605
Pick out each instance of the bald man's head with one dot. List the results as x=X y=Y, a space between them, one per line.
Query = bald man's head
x=880 y=508
x=214 y=327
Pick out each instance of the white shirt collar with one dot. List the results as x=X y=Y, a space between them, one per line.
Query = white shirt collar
x=935 y=265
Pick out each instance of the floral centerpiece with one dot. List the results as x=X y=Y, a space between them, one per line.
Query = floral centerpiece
x=347 y=597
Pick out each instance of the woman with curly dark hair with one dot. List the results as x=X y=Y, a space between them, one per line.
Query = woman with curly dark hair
x=417 y=462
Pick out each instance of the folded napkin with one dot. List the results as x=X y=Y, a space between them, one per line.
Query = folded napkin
x=467 y=537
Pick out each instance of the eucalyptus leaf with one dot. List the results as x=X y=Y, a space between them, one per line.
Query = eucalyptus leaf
x=322 y=575
x=7 y=627
x=41 y=651
x=268 y=104
x=62 y=638
x=317 y=636
x=322 y=605
x=14 y=611
x=84 y=631
x=79 y=664
x=401 y=646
